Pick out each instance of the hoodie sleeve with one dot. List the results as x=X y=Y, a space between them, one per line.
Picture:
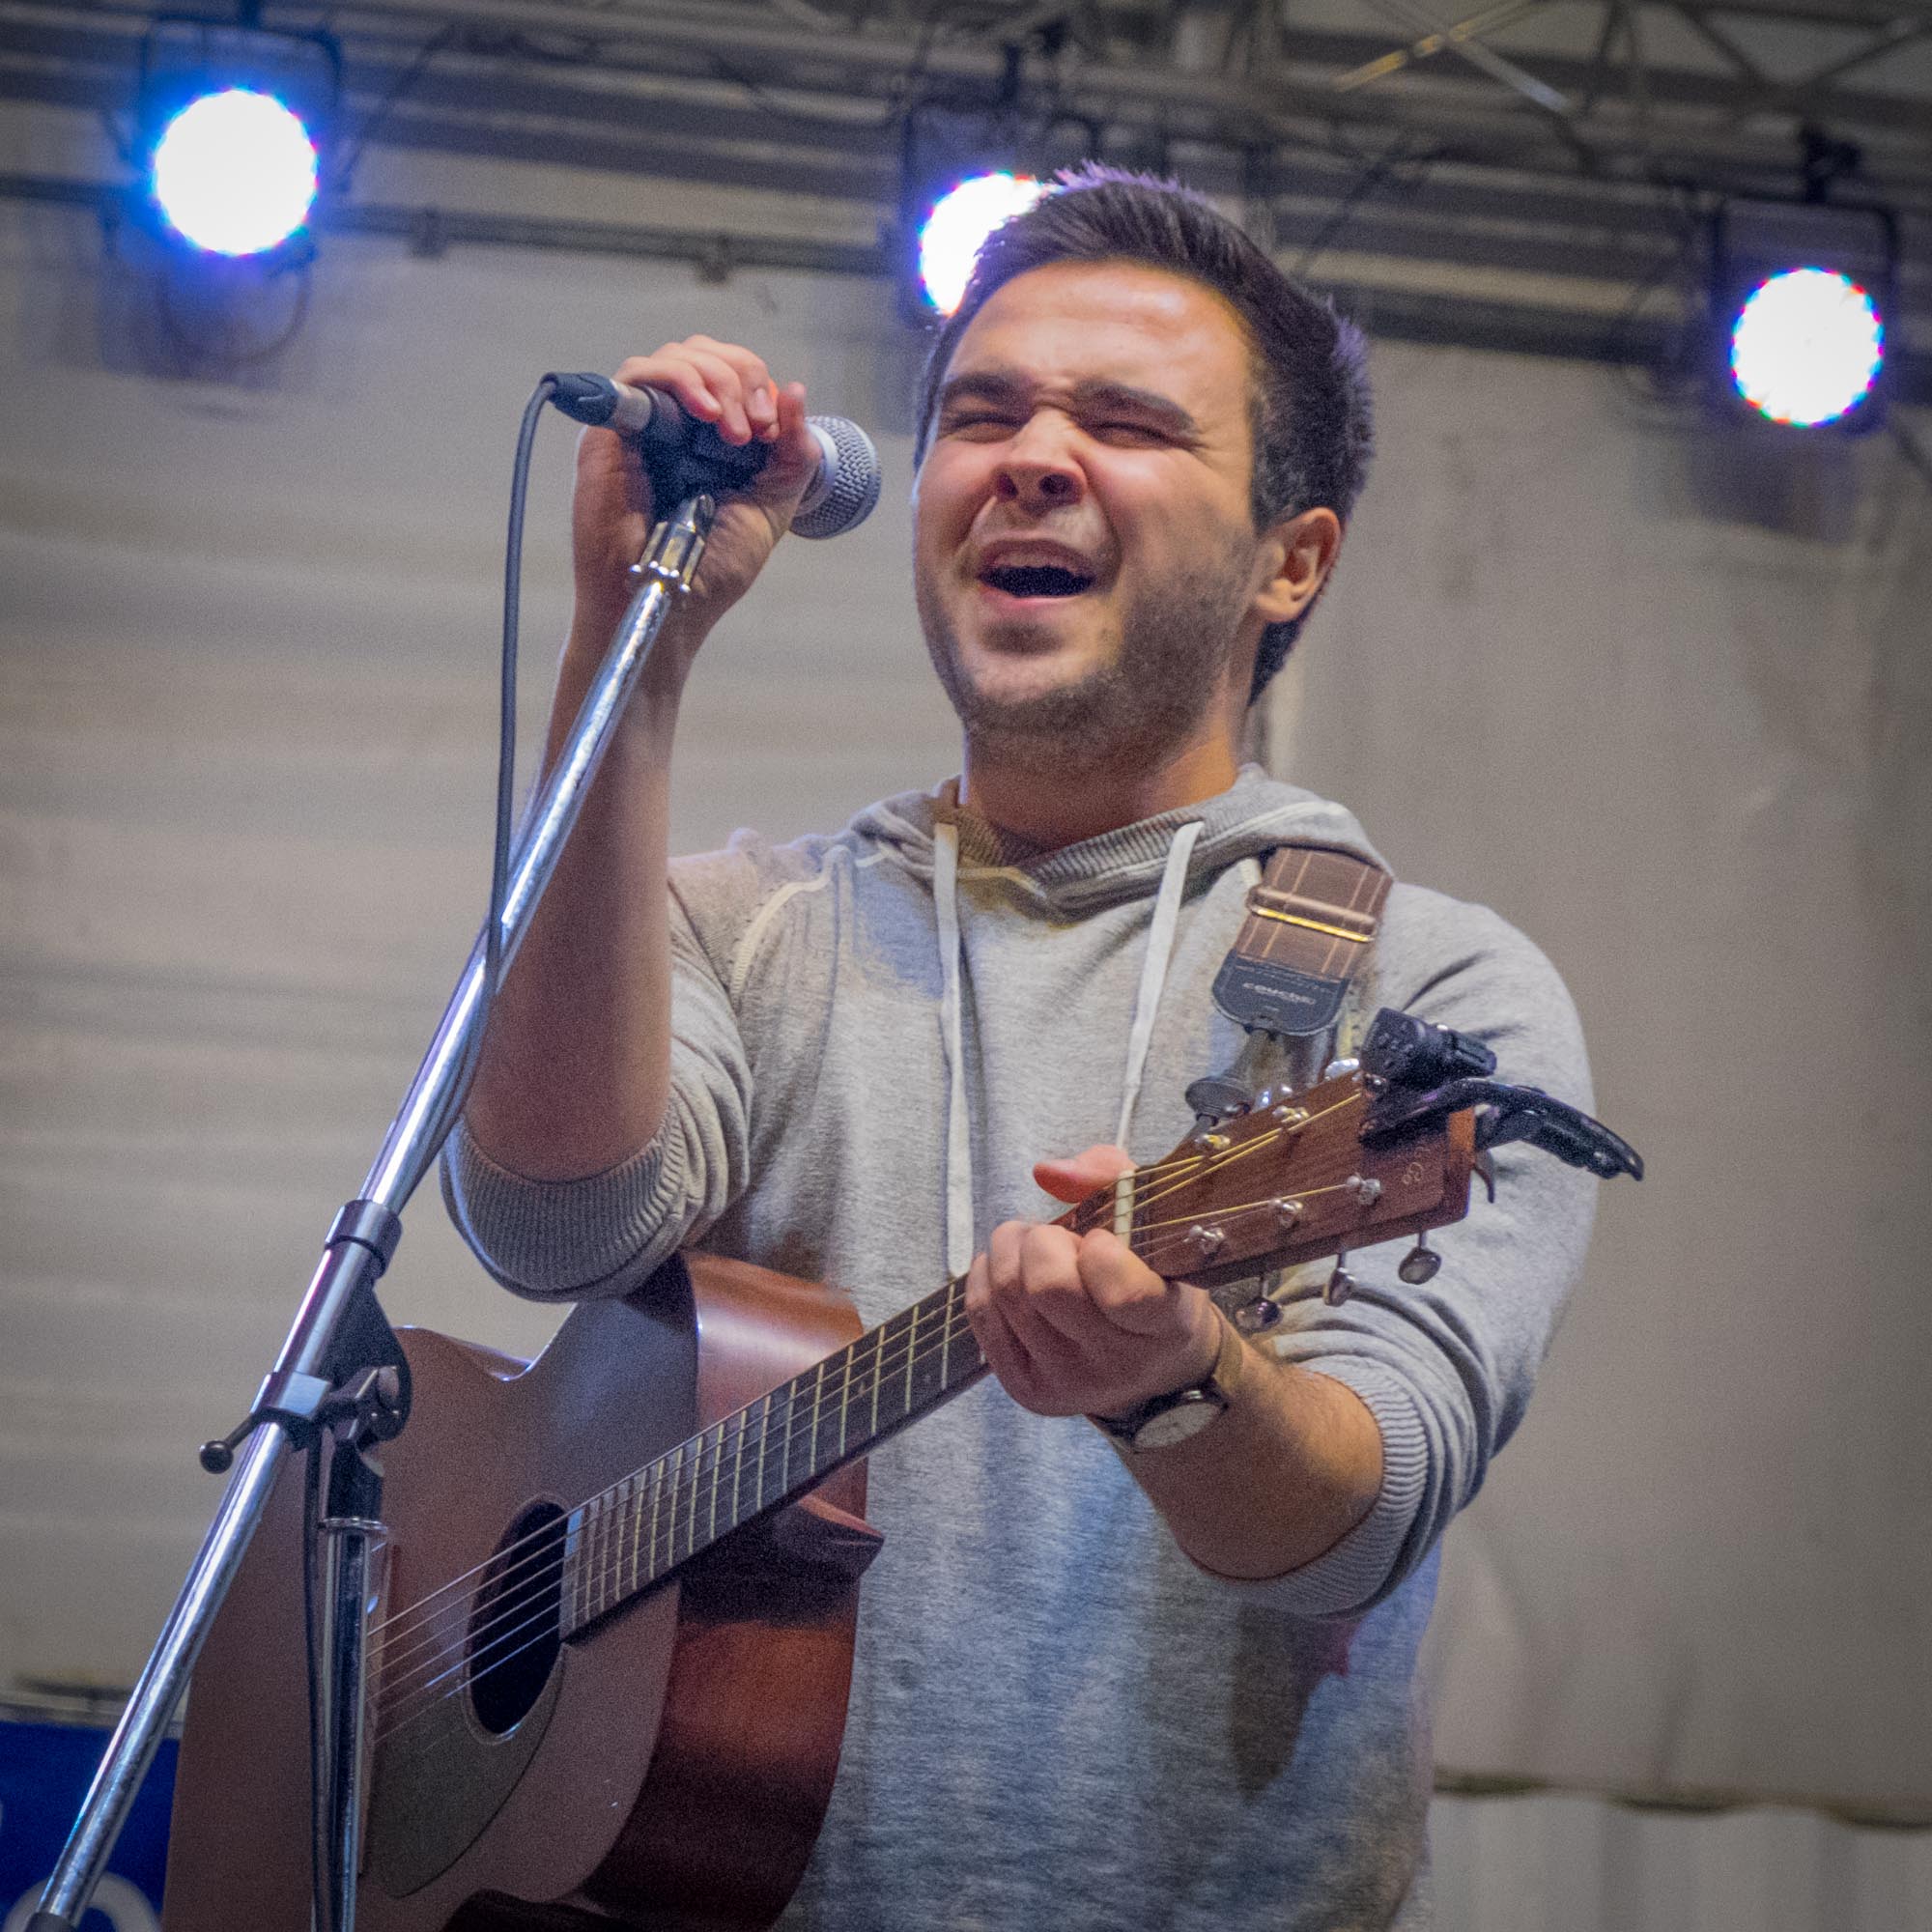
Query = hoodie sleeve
x=603 y=1234
x=1447 y=1369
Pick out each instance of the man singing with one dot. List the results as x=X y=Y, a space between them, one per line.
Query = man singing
x=1109 y=1674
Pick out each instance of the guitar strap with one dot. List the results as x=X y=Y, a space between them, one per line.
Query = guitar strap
x=1294 y=982
x=1311 y=924
x=1307 y=941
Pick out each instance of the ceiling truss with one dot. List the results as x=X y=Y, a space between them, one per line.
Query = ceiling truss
x=1559 y=140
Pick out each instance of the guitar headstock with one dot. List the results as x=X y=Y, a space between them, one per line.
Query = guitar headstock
x=1290 y=1182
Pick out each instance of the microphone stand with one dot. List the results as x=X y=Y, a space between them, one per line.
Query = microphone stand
x=341 y=1369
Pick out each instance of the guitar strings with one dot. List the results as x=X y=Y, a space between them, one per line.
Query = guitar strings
x=716 y=1446
x=479 y=1660
x=1099 y=1206
x=687 y=1484
x=682 y=1494
x=467 y=1665
x=541 y=1543
x=856 y=1375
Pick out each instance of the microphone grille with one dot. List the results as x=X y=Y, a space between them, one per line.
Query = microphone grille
x=847 y=487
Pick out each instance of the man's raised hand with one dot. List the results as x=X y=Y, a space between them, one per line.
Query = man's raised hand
x=730 y=387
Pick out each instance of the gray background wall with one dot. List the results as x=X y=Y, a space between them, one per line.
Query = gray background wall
x=1656 y=692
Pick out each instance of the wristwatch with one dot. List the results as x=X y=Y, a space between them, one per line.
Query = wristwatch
x=1167 y=1419
x=1163 y=1420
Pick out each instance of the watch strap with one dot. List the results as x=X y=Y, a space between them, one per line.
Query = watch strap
x=1217 y=1386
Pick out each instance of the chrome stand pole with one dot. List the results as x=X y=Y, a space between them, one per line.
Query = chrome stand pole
x=339 y=1308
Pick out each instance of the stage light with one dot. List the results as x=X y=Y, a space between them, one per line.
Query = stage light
x=1807 y=347
x=950 y=237
x=235 y=172
x=1800 y=299
x=964 y=168
x=232 y=124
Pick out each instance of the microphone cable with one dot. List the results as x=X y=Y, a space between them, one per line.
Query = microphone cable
x=506 y=771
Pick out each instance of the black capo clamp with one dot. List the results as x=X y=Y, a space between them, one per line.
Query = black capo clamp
x=1430 y=1072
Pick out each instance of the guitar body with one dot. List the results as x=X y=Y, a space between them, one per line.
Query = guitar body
x=665 y=1767
x=611 y=1653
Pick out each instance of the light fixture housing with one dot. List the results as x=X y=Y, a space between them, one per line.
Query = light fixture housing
x=232 y=129
x=1802 y=300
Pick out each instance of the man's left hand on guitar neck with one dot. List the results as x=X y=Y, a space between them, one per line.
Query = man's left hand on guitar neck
x=1078 y=1325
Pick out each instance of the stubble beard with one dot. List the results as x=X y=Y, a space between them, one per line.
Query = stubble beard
x=1147 y=702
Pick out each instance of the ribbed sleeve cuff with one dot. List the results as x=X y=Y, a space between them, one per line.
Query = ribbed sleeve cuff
x=554 y=1240
x=1349 y=1576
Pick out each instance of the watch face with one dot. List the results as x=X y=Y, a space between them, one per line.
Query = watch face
x=1177 y=1424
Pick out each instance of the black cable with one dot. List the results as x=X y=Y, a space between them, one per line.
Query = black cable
x=411 y=72
x=321 y=1830
x=123 y=144
x=1665 y=380
x=1371 y=179
x=506 y=776
x=322 y=1835
x=506 y=722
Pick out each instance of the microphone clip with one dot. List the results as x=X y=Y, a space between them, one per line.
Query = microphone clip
x=681 y=456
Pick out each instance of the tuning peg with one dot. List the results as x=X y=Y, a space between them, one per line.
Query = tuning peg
x=1207 y=1241
x=1486 y=1166
x=1420 y=1264
x=1339 y=1286
x=1255 y=1316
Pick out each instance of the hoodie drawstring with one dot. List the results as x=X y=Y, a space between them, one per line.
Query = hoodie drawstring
x=958 y=1136
x=1162 y=930
x=1153 y=968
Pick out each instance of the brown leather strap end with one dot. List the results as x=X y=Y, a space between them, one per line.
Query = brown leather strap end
x=1310 y=923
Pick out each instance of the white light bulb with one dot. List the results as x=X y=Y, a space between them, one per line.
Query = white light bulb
x=1807 y=347
x=949 y=242
x=235 y=172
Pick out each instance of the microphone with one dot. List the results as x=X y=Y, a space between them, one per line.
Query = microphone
x=683 y=454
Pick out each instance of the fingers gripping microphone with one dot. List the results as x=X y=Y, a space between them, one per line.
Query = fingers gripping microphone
x=684 y=456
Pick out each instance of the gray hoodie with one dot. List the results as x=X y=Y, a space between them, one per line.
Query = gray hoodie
x=1056 y=1719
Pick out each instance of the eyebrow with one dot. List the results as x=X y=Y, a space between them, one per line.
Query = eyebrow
x=1094 y=395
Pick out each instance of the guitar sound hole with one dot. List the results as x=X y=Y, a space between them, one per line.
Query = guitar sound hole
x=516 y=1629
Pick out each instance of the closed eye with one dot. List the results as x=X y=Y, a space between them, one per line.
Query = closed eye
x=974 y=420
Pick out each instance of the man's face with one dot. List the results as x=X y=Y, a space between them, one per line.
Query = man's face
x=1084 y=557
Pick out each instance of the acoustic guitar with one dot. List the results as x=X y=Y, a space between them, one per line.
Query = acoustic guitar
x=609 y=1657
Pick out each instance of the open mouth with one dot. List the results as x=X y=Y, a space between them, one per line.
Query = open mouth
x=1036 y=580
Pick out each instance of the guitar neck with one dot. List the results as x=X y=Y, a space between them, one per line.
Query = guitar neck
x=633 y=1534
x=1265 y=1190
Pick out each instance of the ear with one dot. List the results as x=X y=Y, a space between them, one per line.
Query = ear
x=1296 y=555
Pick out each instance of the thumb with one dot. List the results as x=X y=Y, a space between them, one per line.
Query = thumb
x=1082 y=1174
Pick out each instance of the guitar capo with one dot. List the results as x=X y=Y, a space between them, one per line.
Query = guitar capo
x=1429 y=1072
x=1507 y=1113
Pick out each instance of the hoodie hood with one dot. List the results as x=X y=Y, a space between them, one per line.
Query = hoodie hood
x=934 y=838
x=1253 y=815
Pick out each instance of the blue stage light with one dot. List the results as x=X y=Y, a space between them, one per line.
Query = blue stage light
x=1807 y=347
x=950 y=237
x=235 y=172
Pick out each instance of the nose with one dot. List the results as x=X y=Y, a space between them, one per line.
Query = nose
x=1039 y=468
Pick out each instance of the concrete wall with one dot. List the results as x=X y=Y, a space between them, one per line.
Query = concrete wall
x=1656 y=692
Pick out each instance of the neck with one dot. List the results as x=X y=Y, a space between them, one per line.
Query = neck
x=1047 y=794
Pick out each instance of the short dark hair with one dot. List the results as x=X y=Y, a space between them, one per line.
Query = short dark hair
x=1309 y=405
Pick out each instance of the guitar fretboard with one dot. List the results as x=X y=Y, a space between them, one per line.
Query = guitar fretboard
x=641 y=1528
x=634 y=1533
